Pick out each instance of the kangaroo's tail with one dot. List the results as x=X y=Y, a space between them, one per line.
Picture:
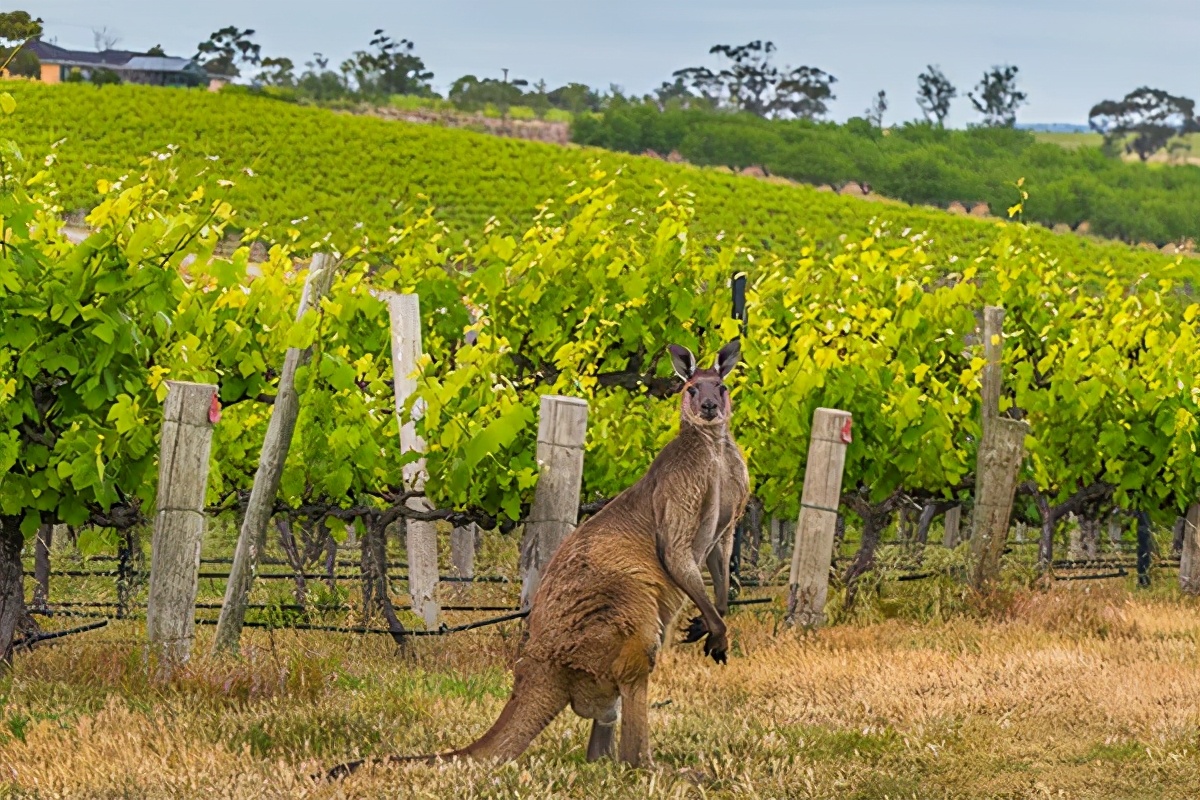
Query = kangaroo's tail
x=540 y=692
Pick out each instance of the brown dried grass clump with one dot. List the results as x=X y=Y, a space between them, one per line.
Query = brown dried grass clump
x=1069 y=692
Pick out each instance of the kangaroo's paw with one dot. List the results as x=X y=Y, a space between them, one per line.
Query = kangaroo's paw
x=342 y=770
x=695 y=631
x=716 y=646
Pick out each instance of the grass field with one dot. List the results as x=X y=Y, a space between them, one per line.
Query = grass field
x=1073 y=141
x=1073 y=693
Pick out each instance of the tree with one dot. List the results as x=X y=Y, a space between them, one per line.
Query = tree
x=472 y=94
x=157 y=50
x=998 y=97
x=676 y=94
x=575 y=97
x=321 y=83
x=751 y=82
x=877 y=109
x=226 y=51
x=934 y=93
x=104 y=39
x=391 y=67
x=1151 y=116
x=538 y=100
x=17 y=28
x=103 y=76
x=278 y=72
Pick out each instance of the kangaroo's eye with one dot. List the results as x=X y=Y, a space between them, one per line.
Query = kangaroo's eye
x=692 y=391
x=723 y=389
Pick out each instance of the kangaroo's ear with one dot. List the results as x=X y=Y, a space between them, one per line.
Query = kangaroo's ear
x=683 y=361
x=728 y=357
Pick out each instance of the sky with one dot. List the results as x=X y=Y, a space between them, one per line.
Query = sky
x=1071 y=53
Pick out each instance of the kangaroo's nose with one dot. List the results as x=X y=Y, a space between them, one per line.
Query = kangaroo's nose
x=708 y=408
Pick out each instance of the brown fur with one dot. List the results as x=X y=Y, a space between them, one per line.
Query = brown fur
x=601 y=611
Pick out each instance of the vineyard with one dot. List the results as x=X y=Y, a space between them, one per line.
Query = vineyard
x=546 y=271
x=348 y=176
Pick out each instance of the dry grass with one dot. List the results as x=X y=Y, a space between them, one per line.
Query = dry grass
x=1072 y=693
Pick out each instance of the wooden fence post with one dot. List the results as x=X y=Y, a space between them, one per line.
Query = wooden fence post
x=953 y=523
x=993 y=356
x=462 y=550
x=420 y=535
x=179 y=522
x=1189 y=555
x=41 y=566
x=270 y=469
x=1000 y=456
x=562 y=428
x=812 y=553
x=1001 y=449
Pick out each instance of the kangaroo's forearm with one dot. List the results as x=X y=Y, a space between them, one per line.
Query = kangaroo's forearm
x=682 y=568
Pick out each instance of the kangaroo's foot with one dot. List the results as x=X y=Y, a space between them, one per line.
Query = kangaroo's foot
x=341 y=771
x=716 y=645
x=694 y=631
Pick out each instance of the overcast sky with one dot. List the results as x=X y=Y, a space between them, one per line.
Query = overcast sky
x=1071 y=53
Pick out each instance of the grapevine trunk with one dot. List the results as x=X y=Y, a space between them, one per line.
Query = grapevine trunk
x=13 y=617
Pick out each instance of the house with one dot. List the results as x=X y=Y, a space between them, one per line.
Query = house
x=58 y=63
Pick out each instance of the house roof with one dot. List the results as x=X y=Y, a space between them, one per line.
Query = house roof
x=113 y=59
x=157 y=64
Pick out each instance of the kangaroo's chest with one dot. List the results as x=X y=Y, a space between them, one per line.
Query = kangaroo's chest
x=709 y=531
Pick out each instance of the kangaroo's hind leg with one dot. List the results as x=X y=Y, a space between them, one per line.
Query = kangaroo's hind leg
x=635 y=724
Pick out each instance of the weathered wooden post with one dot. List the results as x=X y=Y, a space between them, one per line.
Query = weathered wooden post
x=953 y=523
x=1189 y=555
x=420 y=540
x=462 y=549
x=41 y=566
x=1000 y=456
x=562 y=428
x=1001 y=449
x=270 y=469
x=776 y=535
x=812 y=553
x=190 y=411
x=993 y=356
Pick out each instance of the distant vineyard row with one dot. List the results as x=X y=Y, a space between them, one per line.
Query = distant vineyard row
x=317 y=172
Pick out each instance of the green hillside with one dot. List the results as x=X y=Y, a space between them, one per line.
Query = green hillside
x=325 y=172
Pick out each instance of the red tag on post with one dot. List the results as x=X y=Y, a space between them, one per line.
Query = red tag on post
x=214 y=410
x=846 y=430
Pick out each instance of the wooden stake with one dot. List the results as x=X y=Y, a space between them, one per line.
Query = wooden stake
x=953 y=523
x=462 y=550
x=993 y=356
x=562 y=428
x=812 y=553
x=41 y=566
x=420 y=536
x=1000 y=456
x=1189 y=556
x=270 y=469
x=179 y=521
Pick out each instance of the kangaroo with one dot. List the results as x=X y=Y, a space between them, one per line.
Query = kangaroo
x=734 y=494
x=614 y=586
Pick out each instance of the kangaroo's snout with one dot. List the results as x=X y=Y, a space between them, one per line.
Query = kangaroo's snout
x=708 y=410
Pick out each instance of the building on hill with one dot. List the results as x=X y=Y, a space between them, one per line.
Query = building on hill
x=131 y=67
